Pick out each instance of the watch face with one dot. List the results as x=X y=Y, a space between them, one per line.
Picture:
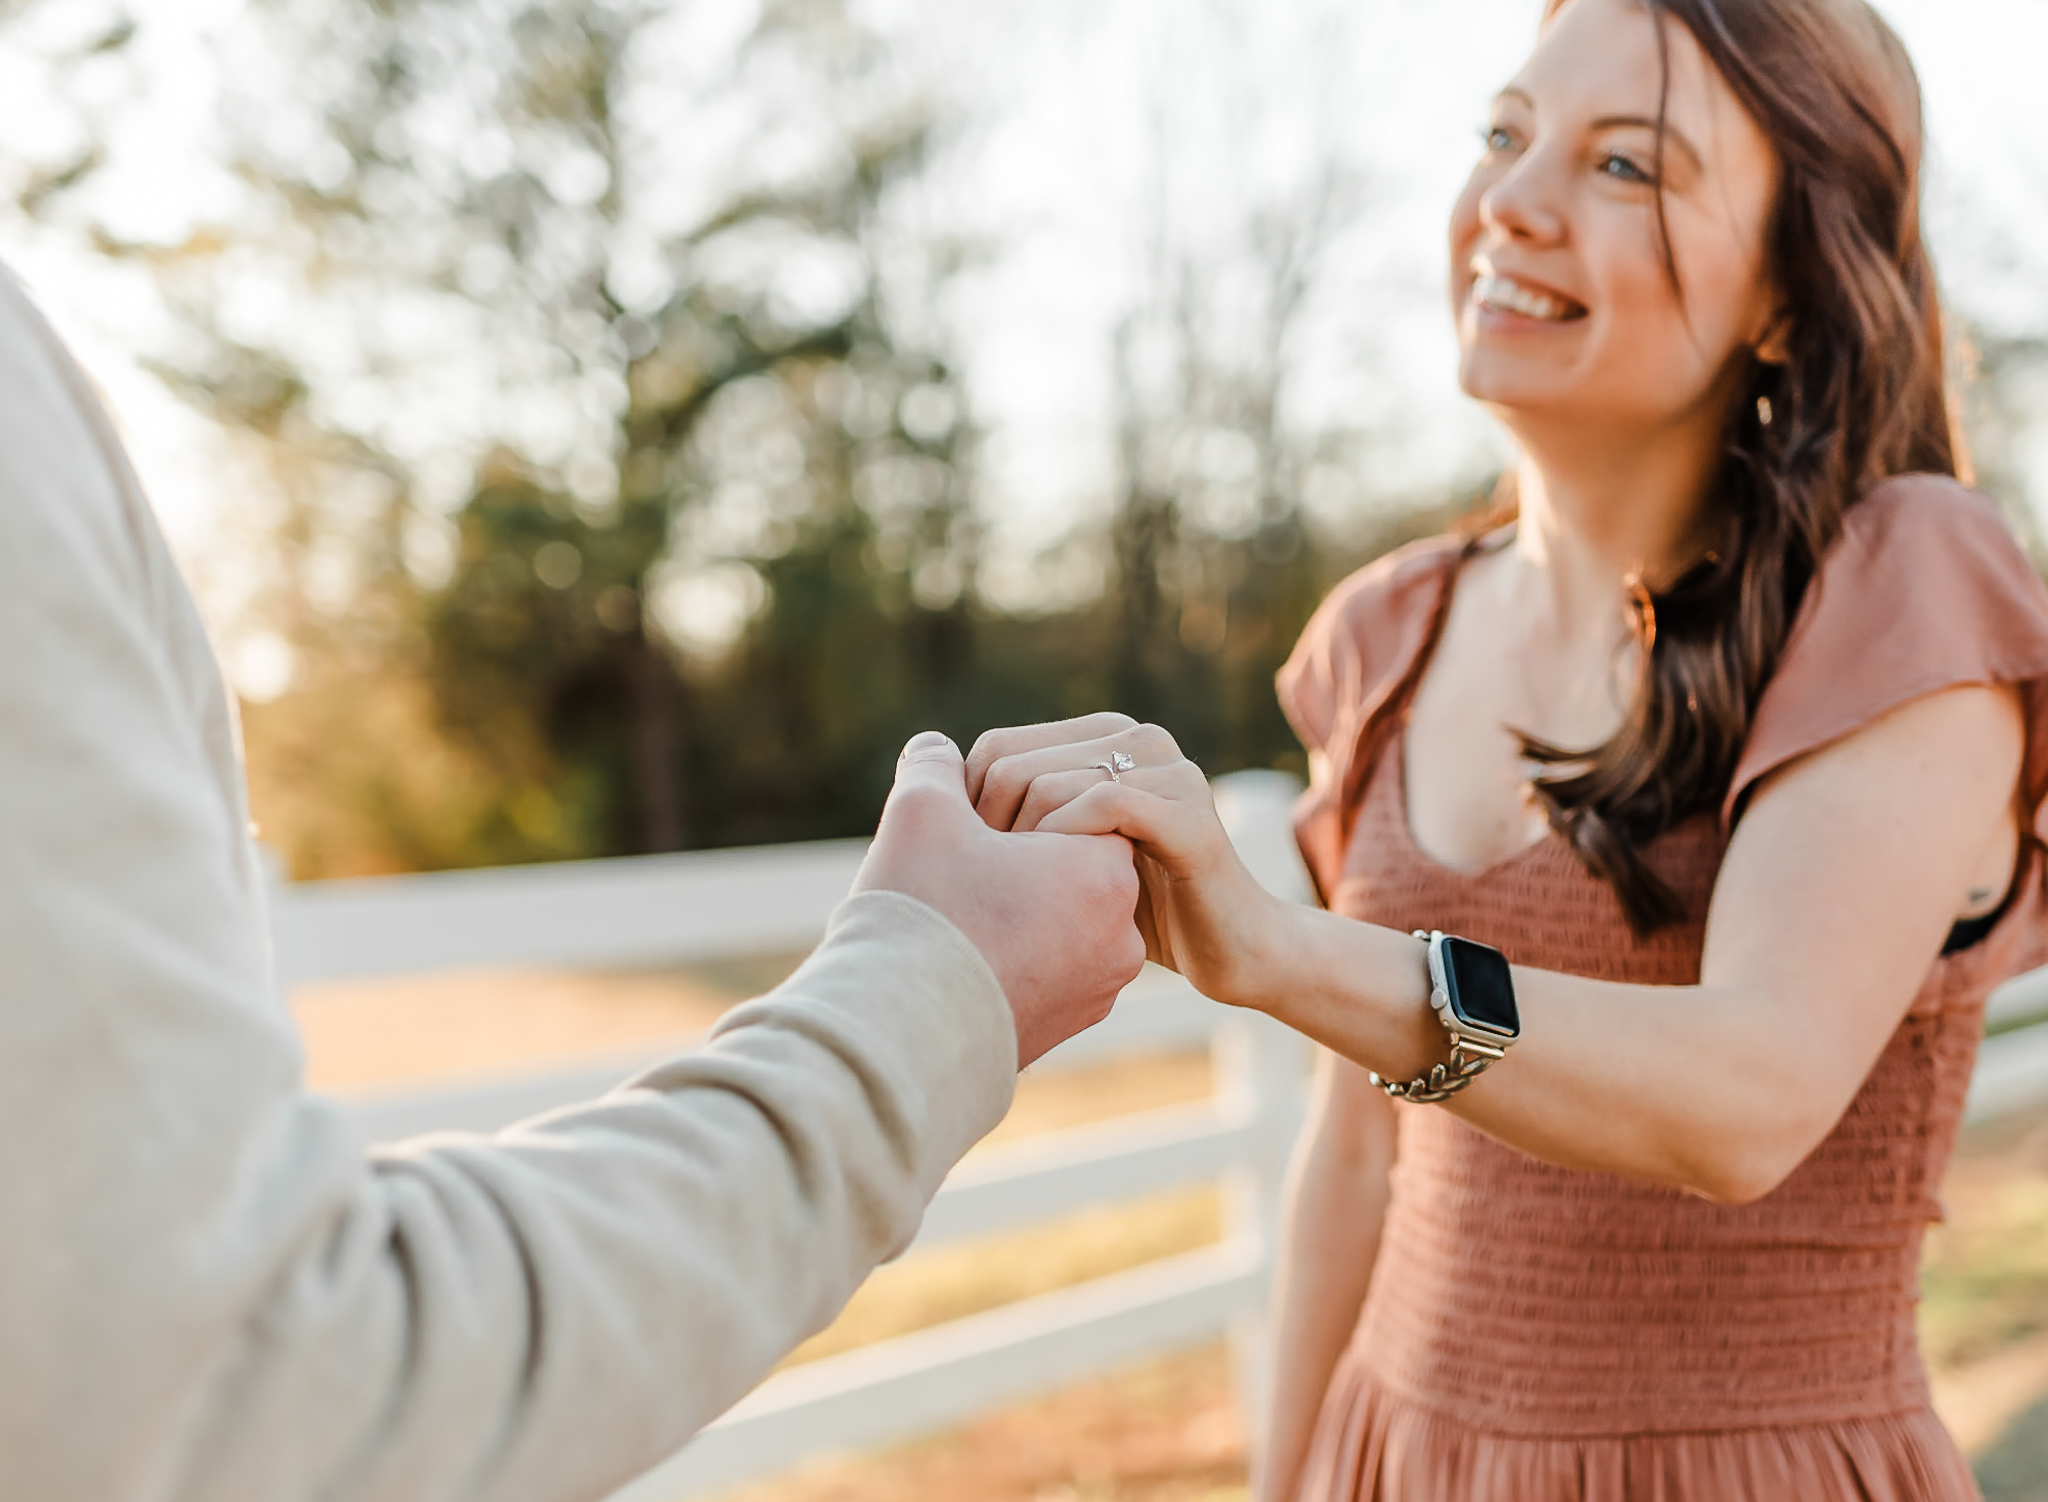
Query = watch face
x=1480 y=987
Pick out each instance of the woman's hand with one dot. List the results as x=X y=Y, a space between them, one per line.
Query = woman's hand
x=1052 y=917
x=1201 y=912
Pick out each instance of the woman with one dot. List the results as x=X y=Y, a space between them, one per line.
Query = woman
x=1732 y=743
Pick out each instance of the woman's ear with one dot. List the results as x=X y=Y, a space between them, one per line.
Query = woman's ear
x=1775 y=347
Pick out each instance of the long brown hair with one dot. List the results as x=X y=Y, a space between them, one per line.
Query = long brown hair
x=1861 y=395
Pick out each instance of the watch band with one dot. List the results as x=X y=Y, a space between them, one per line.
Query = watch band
x=1469 y=1058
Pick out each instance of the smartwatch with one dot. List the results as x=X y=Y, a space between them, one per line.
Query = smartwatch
x=1473 y=993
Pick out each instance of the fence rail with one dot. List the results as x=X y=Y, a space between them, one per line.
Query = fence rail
x=741 y=904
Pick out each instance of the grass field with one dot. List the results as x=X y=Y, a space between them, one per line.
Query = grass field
x=1167 y=1431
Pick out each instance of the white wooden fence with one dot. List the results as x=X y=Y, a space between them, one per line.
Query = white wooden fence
x=745 y=903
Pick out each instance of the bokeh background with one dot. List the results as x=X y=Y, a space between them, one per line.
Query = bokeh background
x=596 y=427
x=600 y=426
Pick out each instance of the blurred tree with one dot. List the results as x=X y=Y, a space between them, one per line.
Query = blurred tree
x=619 y=486
x=572 y=389
x=620 y=483
x=1215 y=565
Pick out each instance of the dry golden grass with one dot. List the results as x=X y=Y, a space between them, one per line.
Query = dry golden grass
x=1984 y=1289
x=1081 y=1097
x=1984 y=1279
x=456 y=1024
x=1167 y=1431
x=929 y=1288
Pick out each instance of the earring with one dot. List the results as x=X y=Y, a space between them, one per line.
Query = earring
x=1763 y=410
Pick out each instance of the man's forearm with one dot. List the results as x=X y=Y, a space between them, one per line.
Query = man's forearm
x=542 y=1314
x=662 y=1249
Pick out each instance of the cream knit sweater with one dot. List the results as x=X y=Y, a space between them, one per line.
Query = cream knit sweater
x=207 y=1289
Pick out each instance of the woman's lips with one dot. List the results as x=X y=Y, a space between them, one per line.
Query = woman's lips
x=1505 y=294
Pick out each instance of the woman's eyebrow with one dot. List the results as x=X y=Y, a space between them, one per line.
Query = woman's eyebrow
x=1671 y=133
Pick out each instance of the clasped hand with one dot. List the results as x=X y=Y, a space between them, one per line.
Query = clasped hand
x=1200 y=910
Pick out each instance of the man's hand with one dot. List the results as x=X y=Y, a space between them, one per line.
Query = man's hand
x=1052 y=914
x=1202 y=912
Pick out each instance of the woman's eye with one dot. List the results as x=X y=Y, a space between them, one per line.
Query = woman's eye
x=1497 y=138
x=1625 y=168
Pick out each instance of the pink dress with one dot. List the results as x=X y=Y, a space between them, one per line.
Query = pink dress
x=1534 y=1332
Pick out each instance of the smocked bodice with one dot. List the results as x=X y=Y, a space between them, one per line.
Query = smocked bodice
x=1534 y=1299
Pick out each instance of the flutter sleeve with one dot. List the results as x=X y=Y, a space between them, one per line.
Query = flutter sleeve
x=1343 y=685
x=1924 y=590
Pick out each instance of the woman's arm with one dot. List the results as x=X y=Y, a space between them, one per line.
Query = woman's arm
x=1336 y=1200
x=1836 y=890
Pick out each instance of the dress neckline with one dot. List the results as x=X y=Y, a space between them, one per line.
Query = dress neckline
x=1398 y=753
x=1452 y=565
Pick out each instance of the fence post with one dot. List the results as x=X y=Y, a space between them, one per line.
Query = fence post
x=1261 y=1068
x=1260 y=1071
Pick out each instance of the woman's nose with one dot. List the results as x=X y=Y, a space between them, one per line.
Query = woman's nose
x=1523 y=203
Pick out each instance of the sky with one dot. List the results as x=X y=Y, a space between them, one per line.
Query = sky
x=1085 y=116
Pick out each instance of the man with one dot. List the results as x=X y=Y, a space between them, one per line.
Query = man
x=207 y=1291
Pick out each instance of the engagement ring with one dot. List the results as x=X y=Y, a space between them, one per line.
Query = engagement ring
x=1119 y=763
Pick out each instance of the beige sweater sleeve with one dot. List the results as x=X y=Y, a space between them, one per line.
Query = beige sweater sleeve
x=207 y=1290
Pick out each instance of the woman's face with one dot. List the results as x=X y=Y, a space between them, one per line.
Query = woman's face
x=1564 y=304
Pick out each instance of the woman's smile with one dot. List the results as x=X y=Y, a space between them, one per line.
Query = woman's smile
x=1575 y=206
x=1520 y=300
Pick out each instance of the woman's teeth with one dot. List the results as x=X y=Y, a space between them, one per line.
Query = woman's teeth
x=1513 y=297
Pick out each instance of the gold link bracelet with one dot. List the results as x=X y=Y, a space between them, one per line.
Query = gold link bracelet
x=1469 y=1057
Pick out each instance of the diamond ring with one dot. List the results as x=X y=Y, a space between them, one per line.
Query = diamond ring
x=1119 y=762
